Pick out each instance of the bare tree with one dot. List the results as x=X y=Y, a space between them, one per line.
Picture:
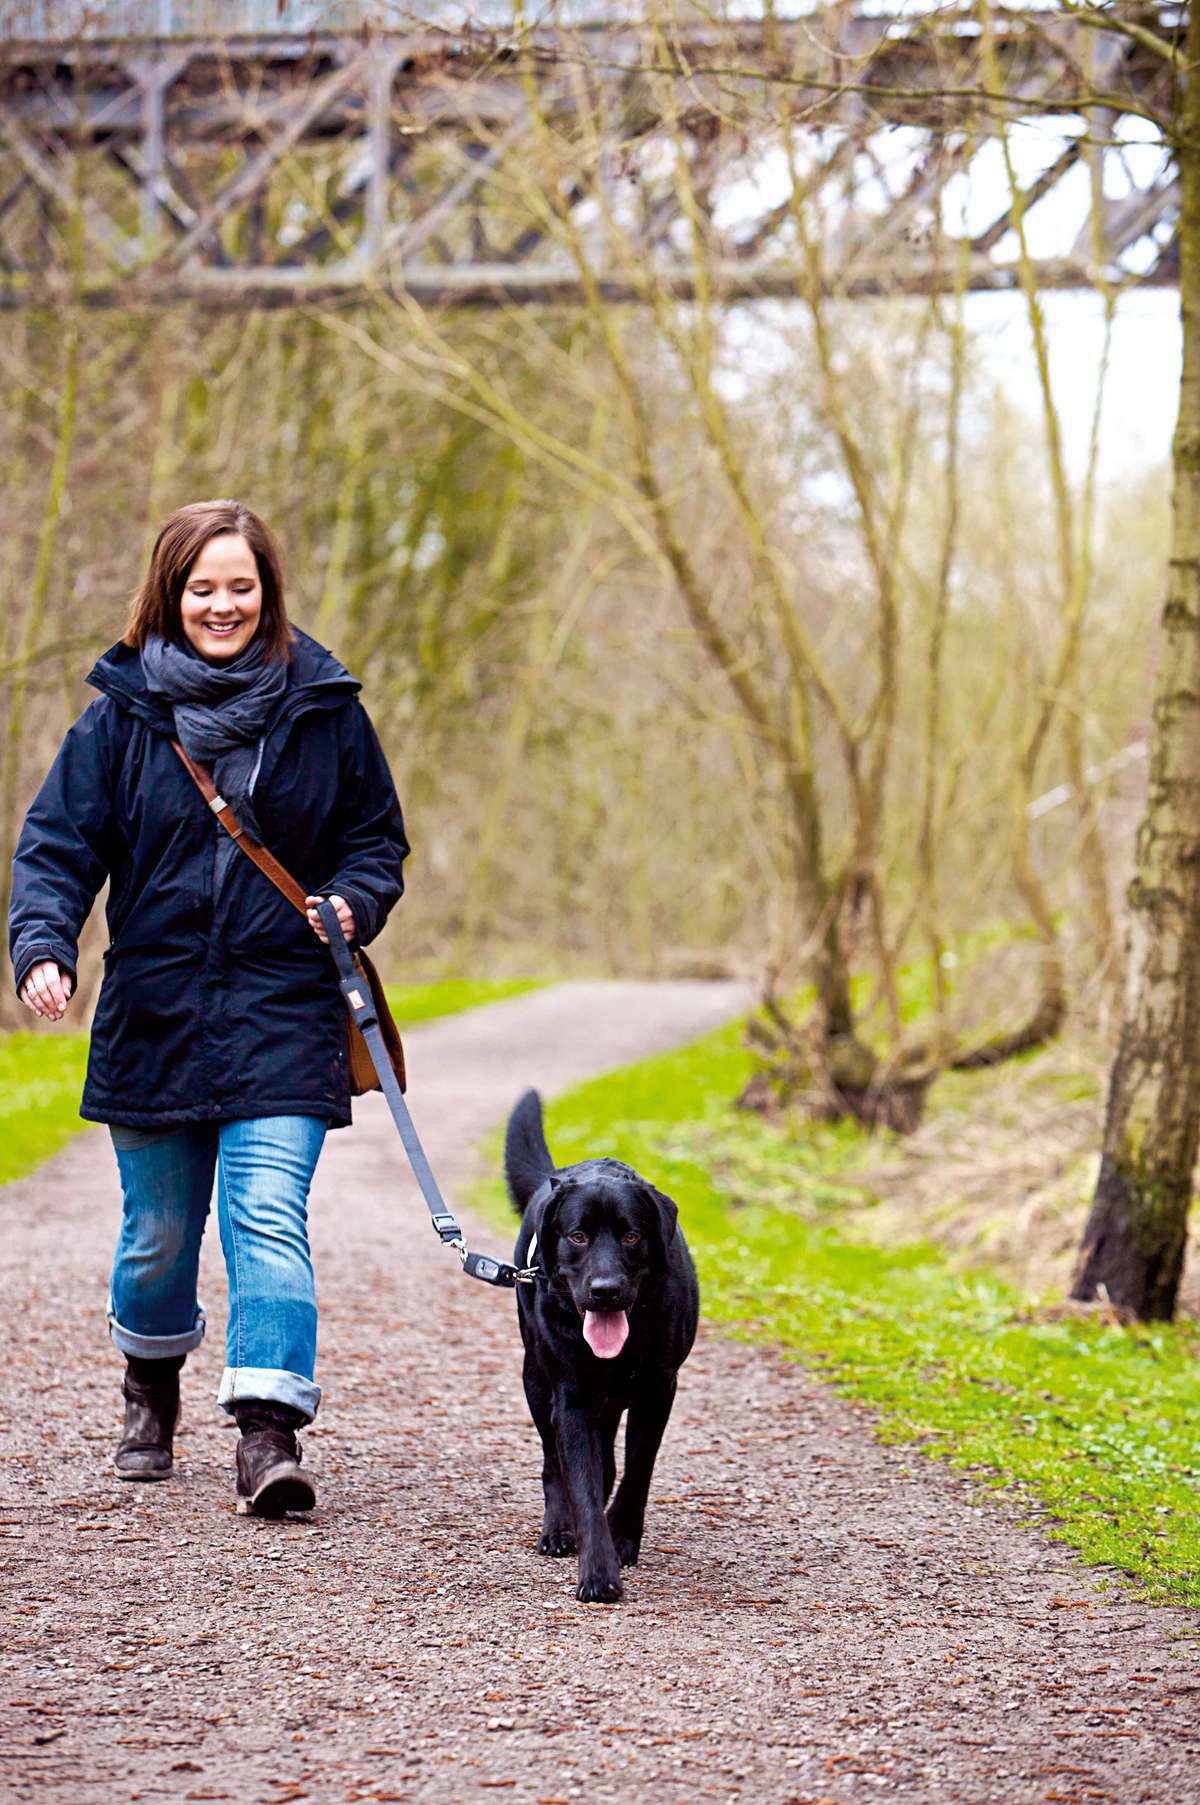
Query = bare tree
x=1133 y=1245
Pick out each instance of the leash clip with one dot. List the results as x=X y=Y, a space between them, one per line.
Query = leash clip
x=482 y=1266
x=495 y=1272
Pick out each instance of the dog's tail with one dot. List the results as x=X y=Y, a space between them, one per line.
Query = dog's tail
x=527 y=1162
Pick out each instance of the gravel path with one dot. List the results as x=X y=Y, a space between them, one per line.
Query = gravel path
x=816 y=1620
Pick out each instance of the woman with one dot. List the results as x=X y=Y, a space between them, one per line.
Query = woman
x=219 y=1039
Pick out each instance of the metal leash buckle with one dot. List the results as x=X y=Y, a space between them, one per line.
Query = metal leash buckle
x=494 y=1272
x=482 y=1266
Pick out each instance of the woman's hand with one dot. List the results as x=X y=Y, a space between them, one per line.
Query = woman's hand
x=345 y=915
x=47 y=990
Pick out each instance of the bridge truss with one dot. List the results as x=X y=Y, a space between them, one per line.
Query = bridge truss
x=458 y=163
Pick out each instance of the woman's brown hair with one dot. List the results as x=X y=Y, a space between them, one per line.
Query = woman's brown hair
x=156 y=606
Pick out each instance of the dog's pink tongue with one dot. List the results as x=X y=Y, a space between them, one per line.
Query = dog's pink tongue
x=605 y=1332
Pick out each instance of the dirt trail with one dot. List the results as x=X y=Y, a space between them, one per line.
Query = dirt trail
x=816 y=1617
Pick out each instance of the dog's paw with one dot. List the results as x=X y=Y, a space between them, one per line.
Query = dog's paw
x=626 y=1540
x=556 y=1542
x=600 y=1587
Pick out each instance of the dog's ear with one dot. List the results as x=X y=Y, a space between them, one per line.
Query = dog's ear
x=545 y=1224
x=664 y=1215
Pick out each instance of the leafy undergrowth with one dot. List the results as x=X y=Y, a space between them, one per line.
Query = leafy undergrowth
x=1096 y=1424
x=41 y=1074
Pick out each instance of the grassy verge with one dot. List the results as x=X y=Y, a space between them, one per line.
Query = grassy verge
x=41 y=1075
x=413 y=1003
x=1096 y=1424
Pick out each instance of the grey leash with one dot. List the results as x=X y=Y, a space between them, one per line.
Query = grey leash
x=362 y=1010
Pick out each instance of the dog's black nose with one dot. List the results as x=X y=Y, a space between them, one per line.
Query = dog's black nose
x=605 y=1294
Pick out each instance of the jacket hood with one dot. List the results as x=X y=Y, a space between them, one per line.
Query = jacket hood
x=316 y=679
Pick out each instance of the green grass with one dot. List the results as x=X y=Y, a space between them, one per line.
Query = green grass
x=41 y=1075
x=413 y=1003
x=1097 y=1425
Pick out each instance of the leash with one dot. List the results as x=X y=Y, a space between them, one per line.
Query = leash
x=361 y=1005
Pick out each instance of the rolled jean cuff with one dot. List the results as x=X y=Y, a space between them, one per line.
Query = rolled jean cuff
x=156 y=1347
x=268 y=1385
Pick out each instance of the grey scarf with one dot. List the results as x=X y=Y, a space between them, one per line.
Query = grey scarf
x=221 y=714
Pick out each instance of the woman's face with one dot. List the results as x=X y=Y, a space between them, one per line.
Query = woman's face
x=222 y=598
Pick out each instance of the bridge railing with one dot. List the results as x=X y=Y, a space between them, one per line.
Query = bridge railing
x=56 y=21
x=52 y=21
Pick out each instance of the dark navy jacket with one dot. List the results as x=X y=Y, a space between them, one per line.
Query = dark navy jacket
x=208 y=1015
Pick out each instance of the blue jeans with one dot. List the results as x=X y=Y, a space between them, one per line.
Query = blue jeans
x=263 y=1168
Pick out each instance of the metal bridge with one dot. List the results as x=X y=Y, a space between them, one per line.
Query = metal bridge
x=246 y=152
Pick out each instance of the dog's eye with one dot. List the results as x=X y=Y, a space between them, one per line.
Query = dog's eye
x=631 y=1239
x=577 y=1238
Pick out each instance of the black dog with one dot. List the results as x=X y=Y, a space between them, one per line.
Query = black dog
x=606 y=1327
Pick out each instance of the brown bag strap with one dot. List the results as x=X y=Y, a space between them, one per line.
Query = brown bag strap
x=362 y=1072
x=266 y=862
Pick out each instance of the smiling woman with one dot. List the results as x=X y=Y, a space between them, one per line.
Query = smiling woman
x=222 y=600
x=218 y=1049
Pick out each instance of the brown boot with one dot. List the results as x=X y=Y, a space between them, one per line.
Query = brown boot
x=269 y=1480
x=151 y=1390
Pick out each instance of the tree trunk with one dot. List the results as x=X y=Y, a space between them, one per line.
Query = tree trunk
x=1134 y=1242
